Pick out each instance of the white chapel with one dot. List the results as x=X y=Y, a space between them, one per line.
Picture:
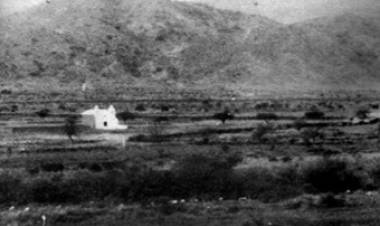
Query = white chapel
x=102 y=119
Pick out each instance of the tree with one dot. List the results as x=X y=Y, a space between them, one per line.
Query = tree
x=224 y=116
x=126 y=115
x=71 y=127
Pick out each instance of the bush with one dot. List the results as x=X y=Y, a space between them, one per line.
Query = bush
x=311 y=135
x=165 y=108
x=299 y=124
x=44 y=190
x=270 y=185
x=330 y=200
x=362 y=112
x=161 y=119
x=14 y=108
x=140 y=108
x=6 y=92
x=139 y=138
x=52 y=167
x=148 y=184
x=83 y=186
x=43 y=113
x=207 y=176
x=266 y=116
x=126 y=115
x=224 y=116
x=261 y=131
x=374 y=172
x=314 y=115
x=333 y=175
x=10 y=186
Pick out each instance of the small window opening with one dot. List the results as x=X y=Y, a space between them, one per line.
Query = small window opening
x=105 y=124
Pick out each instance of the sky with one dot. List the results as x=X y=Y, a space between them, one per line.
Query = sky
x=285 y=11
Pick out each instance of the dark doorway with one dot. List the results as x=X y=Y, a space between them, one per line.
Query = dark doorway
x=105 y=124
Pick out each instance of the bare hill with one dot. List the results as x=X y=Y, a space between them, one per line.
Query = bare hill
x=161 y=43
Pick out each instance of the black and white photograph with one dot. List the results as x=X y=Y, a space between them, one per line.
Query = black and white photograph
x=189 y=112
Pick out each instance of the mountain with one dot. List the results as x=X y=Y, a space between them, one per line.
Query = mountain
x=326 y=53
x=122 y=41
x=166 y=44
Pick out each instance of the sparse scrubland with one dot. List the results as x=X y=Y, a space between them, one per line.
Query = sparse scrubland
x=203 y=177
x=195 y=184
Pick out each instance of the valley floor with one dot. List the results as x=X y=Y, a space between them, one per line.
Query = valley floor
x=36 y=155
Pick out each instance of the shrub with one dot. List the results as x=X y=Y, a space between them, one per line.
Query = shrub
x=311 y=135
x=165 y=108
x=266 y=116
x=224 y=116
x=207 y=176
x=330 y=200
x=161 y=119
x=374 y=172
x=168 y=208
x=261 y=131
x=140 y=107
x=83 y=186
x=9 y=187
x=14 y=108
x=43 y=113
x=314 y=115
x=269 y=185
x=6 y=92
x=138 y=138
x=362 y=112
x=148 y=184
x=262 y=106
x=333 y=175
x=126 y=115
x=52 y=167
x=44 y=191
x=299 y=123
x=95 y=167
x=4 y=109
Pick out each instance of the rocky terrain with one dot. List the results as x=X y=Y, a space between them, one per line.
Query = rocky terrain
x=60 y=45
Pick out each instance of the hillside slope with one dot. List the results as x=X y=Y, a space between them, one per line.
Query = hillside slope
x=121 y=41
x=160 y=43
x=329 y=53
